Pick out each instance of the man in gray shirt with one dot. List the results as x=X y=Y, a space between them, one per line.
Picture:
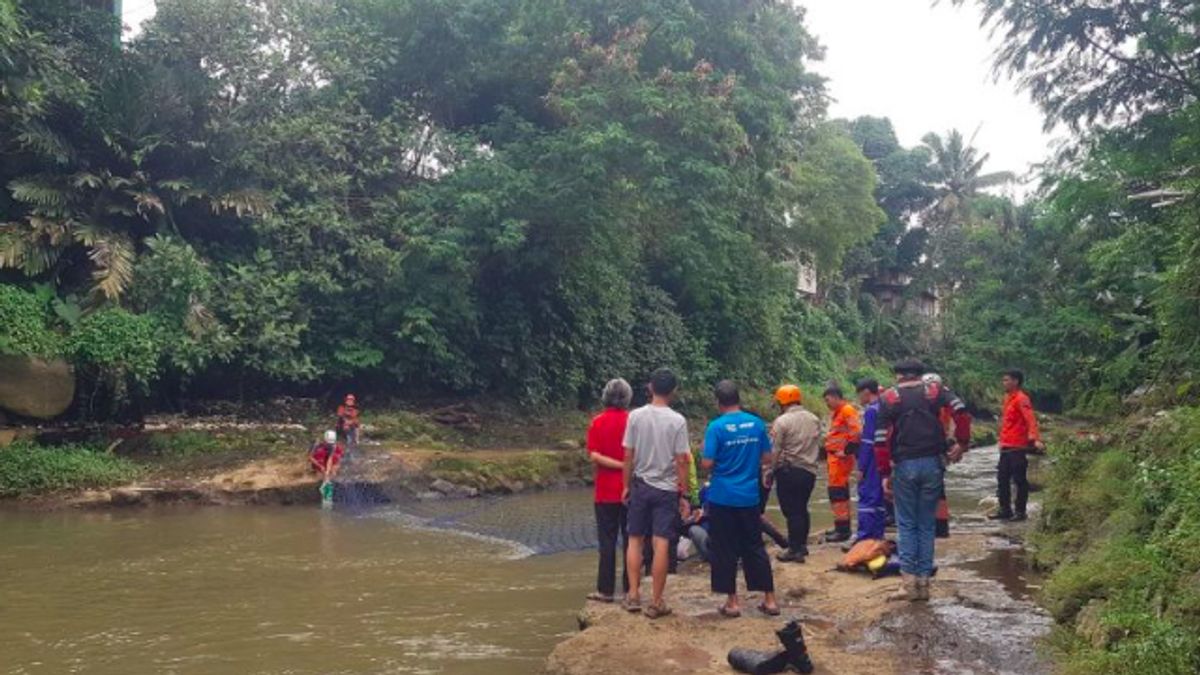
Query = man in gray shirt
x=656 y=478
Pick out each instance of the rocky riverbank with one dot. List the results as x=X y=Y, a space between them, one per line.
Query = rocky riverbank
x=980 y=620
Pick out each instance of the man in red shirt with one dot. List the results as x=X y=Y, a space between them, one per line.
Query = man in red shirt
x=1018 y=435
x=604 y=447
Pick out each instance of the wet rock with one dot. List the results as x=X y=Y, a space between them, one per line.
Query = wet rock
x=430 y=496
x=568 y=444
x=449 y=489
x=36 y=388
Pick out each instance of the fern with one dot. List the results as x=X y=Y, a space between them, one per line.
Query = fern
x=40 y=139
x=38 y=191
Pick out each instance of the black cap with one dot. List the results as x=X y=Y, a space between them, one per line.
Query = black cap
x=909 y=367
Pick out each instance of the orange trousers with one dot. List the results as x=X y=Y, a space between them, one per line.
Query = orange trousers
x=840 y=468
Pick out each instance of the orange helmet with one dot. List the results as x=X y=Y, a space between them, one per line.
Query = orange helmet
x=788 y=394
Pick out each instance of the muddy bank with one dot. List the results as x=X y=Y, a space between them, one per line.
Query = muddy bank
x=372 y=475
x=979 y=621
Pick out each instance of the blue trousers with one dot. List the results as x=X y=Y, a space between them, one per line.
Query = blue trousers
x=872 y=509
x=916 y=484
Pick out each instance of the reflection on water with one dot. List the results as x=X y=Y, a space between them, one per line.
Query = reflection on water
x=272 y=591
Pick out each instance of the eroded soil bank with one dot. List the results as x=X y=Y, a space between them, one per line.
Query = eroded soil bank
x=980 y=620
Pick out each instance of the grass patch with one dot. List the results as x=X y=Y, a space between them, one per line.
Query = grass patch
x=27 y=469
x=521 y=470
x=1120 y=533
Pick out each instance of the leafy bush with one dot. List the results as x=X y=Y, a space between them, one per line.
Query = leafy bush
x=25 y=323
x=28 y=469
x=1121 y=533
x=118 y=349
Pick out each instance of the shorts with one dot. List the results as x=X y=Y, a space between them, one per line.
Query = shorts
x=652 y=512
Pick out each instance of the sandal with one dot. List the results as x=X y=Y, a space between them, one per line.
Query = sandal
x=631 y=606
x=769 y=611
x=657 y=611
x=596 y=596
x=729 y=613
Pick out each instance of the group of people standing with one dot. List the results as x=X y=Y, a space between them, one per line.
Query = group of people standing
x=646 y=478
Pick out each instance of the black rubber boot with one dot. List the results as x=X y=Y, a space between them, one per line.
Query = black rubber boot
x=792 y=638
x=758 y=663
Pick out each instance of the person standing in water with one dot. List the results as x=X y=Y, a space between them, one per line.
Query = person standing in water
x=796 y=439
x=841 y=448
x=656 y=485
x=604 y=438
x=737 y=452
x=1018 y=435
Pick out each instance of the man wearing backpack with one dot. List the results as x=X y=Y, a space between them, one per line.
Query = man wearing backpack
x=911 y=440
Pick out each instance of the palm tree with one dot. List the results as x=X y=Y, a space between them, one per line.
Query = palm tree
x=957 y=166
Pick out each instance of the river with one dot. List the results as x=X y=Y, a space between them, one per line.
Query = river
x=476 y=586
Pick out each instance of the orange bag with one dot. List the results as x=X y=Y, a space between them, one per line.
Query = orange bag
x=864 y=552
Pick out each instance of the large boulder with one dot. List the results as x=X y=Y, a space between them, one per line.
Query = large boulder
x=35 y=388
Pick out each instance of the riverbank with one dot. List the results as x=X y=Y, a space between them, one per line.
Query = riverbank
x=453 y=451
x=980 y=619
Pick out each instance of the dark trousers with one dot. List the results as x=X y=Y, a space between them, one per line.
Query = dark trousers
x=794 y=486
x=735 y=534
x=610 y=524
x=1013 y=467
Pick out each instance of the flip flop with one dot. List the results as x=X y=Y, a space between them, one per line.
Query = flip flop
x=657 y=611
x=769 y=611
x=729 y=613
x=596 y=596
x=631 y=606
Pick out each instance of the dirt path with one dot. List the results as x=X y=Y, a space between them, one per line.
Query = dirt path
x=972 y=625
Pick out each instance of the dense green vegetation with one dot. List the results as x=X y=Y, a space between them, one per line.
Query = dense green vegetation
x=27 y=469
x=422 y=197
x=1094 y=286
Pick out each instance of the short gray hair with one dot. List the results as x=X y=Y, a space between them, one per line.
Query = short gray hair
x=617 y=394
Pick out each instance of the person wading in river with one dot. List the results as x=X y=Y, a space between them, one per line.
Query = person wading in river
x=913 y=442
x=656 y=485
x=841 y=447
x=737 y=452
x=604 y=438
x=1018 y=435
x=796 y=438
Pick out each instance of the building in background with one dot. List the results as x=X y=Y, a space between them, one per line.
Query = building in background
x=895 y=295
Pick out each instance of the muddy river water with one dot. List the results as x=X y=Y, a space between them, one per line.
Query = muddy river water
x=473 y=586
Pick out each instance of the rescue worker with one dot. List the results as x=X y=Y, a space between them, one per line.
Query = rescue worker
x=872 y=508
x=912 y=442
x=841 y=446
x=326 y=456
x=1018 y=435
x=347 y=421
x=796 y=437
x=946 y=417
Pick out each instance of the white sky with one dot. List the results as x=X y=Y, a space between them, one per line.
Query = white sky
x=927 y=68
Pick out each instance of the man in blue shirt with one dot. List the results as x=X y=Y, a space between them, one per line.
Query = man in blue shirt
x=736 y=451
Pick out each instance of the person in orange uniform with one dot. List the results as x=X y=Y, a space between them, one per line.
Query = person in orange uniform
x=841 y=446
x=347 y=421
x=1018 y=435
